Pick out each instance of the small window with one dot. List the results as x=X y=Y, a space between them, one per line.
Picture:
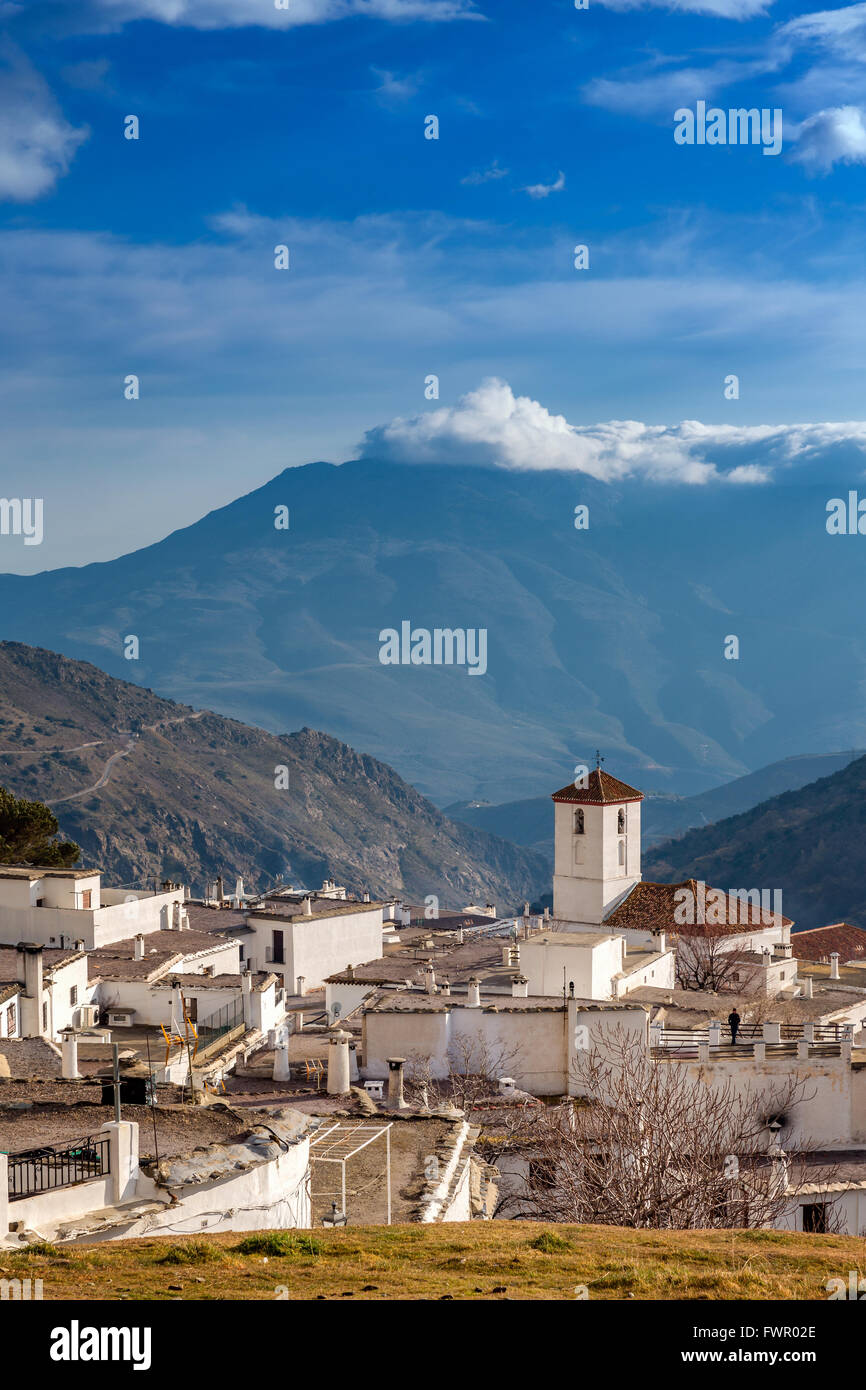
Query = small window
x=815 y=1218
x=620 y=823
x=578 y=822
x=73 y=994
x=622 y=851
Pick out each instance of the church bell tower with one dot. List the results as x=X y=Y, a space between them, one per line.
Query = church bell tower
x=596 y=846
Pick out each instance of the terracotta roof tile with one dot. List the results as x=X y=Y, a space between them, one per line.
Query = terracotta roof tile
x=818 y=945
x=651 y=907
x=601 y=789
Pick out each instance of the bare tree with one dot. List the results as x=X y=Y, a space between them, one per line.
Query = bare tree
x=705 y=959
x=650 y=1145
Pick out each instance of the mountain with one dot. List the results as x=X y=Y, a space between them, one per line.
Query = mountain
x=807 y=842
x=609 y=637
x=530 y=821
x=151 y=789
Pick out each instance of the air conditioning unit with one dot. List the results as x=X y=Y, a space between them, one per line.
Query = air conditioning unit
x=87 y=1016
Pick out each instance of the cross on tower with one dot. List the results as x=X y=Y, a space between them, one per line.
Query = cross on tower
x=598 y=760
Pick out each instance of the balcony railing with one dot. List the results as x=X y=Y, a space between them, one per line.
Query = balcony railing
x=41 y=1170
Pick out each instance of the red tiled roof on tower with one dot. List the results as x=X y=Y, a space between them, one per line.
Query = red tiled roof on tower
x=601 y=789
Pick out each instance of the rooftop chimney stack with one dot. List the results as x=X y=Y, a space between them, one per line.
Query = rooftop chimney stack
x=29 y=960
x=834 y=965
x=473 y=999
x=307 y=907
x=429 y=978
x=445 y=988
x=807 y=987
x=219 y=890
x=69 y=1052
x=395 y=1083
x=138 y=953
x=338 y=1064
x=519 y=987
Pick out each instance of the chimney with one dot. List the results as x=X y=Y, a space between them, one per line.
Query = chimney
x=69 y=1052
x=429 y=978
x=282 y=1067
x=445 y=988
x=138 y=951
x=219 y=890
x=175 y=916
x=807 y=987
x=506 y=955
x=834 y=965
x=506 y=1086
x=547 y=914
x=395 y=1099
x=459 y=936
x=366 y=897
x=350 y=971
x=338 y=1064
x=79 y=945
x=307 y=907
x=301 y=981
x=473 y=999
x=519 y=987
x=239 y=888
x=29 y=960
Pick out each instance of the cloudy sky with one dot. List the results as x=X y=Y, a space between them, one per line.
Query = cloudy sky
x=262 y=126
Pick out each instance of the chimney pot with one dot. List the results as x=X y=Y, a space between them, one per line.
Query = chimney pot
x=834 y=965
x=395 y=1083
x=473 y=999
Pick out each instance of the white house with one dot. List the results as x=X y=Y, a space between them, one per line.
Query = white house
x=69 y=907
x=593 y=965
x=305 y=944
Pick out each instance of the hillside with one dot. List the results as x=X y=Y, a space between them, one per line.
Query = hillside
x=807 y=842
x=612 y=637
x=530 y=821
x=484 y=1260
x=153 y=789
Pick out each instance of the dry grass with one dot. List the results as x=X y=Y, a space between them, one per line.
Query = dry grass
x=486 y=1260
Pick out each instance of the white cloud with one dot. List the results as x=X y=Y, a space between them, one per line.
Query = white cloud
x=108 y=16
x=835 y=136
x=394 y=88
x=544 y=190
x=492 y=427
x=722 y=9
x=485 y=175
x=37 y=143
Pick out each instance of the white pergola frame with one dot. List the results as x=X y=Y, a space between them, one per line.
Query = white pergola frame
x=343 y=1146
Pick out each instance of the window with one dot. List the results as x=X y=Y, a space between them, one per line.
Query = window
x=815 y=1218
x=45 y=1018
x=622 y=851
x=11 y=1022
x=620 y=822
x=85 y=897
x=277 y=951
x=73 y=994
x=578 y=822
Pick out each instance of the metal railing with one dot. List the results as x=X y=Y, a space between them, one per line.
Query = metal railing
x=225 y=1020
x=41 y=1170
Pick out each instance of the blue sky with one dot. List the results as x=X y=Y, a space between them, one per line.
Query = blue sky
x=410 y=256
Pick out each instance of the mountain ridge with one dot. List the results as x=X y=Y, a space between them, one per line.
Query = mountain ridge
x=152 y=789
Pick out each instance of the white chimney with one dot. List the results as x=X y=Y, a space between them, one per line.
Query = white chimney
x=175 y=916
x=69 y=1055
x=395 y=1099
x=307 y=907
x=473 y=999
x=338 y=1064
x=282 y=1067
x=366 y=897
x=519 y=987
x=506 y=1086
x=807 y=987
x=138 y=951
x=834 y=965
x=239 y=888
x=445 y=988
x=429 y=979
x=219 y=890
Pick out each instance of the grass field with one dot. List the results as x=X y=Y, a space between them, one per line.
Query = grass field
x=489 y=1260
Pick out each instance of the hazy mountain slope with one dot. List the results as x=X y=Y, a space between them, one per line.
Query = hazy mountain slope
x=807 y=842
x=530 y=821
x=609 y=637
x=190 y=794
